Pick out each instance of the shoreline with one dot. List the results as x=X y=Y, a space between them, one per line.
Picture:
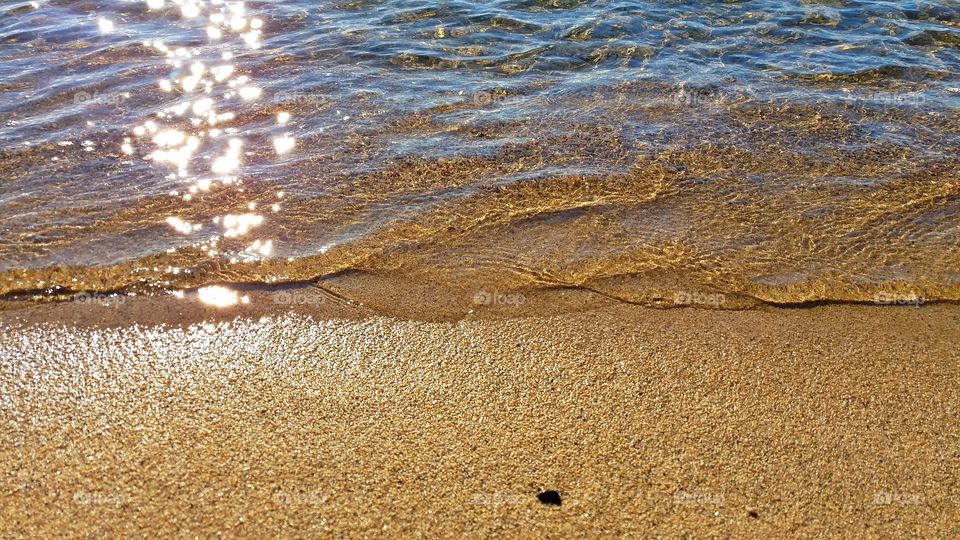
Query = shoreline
x=830 y=420
x=357 y=295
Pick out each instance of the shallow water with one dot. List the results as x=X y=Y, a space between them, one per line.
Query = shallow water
x=711 y=153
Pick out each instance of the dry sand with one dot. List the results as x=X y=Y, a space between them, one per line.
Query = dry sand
x=828 y=421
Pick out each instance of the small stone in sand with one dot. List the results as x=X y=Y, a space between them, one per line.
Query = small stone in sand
x=549 y=497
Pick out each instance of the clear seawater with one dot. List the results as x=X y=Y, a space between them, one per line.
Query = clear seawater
x=781 y=152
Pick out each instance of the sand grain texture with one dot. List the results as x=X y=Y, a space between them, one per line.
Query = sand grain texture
x=829 y=421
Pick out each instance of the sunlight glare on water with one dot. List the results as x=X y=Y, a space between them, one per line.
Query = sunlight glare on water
x=209 y=90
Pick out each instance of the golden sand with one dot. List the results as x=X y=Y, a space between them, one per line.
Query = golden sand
x=833 y=421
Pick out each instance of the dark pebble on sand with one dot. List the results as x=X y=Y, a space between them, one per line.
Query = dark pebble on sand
x=550 y=497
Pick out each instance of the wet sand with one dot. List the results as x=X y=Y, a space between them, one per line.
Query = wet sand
x=830 y=420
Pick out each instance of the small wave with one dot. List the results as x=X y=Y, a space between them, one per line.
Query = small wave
x=888 y=72
x=935 y=38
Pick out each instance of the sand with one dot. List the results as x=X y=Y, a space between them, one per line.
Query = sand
x=828 y=421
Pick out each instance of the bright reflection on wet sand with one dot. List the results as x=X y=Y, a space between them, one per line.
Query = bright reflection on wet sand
x=220 y=296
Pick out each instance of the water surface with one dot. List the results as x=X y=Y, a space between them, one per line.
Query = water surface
x=780 y=152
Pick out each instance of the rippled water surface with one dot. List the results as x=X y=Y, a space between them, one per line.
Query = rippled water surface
x=766 y=151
